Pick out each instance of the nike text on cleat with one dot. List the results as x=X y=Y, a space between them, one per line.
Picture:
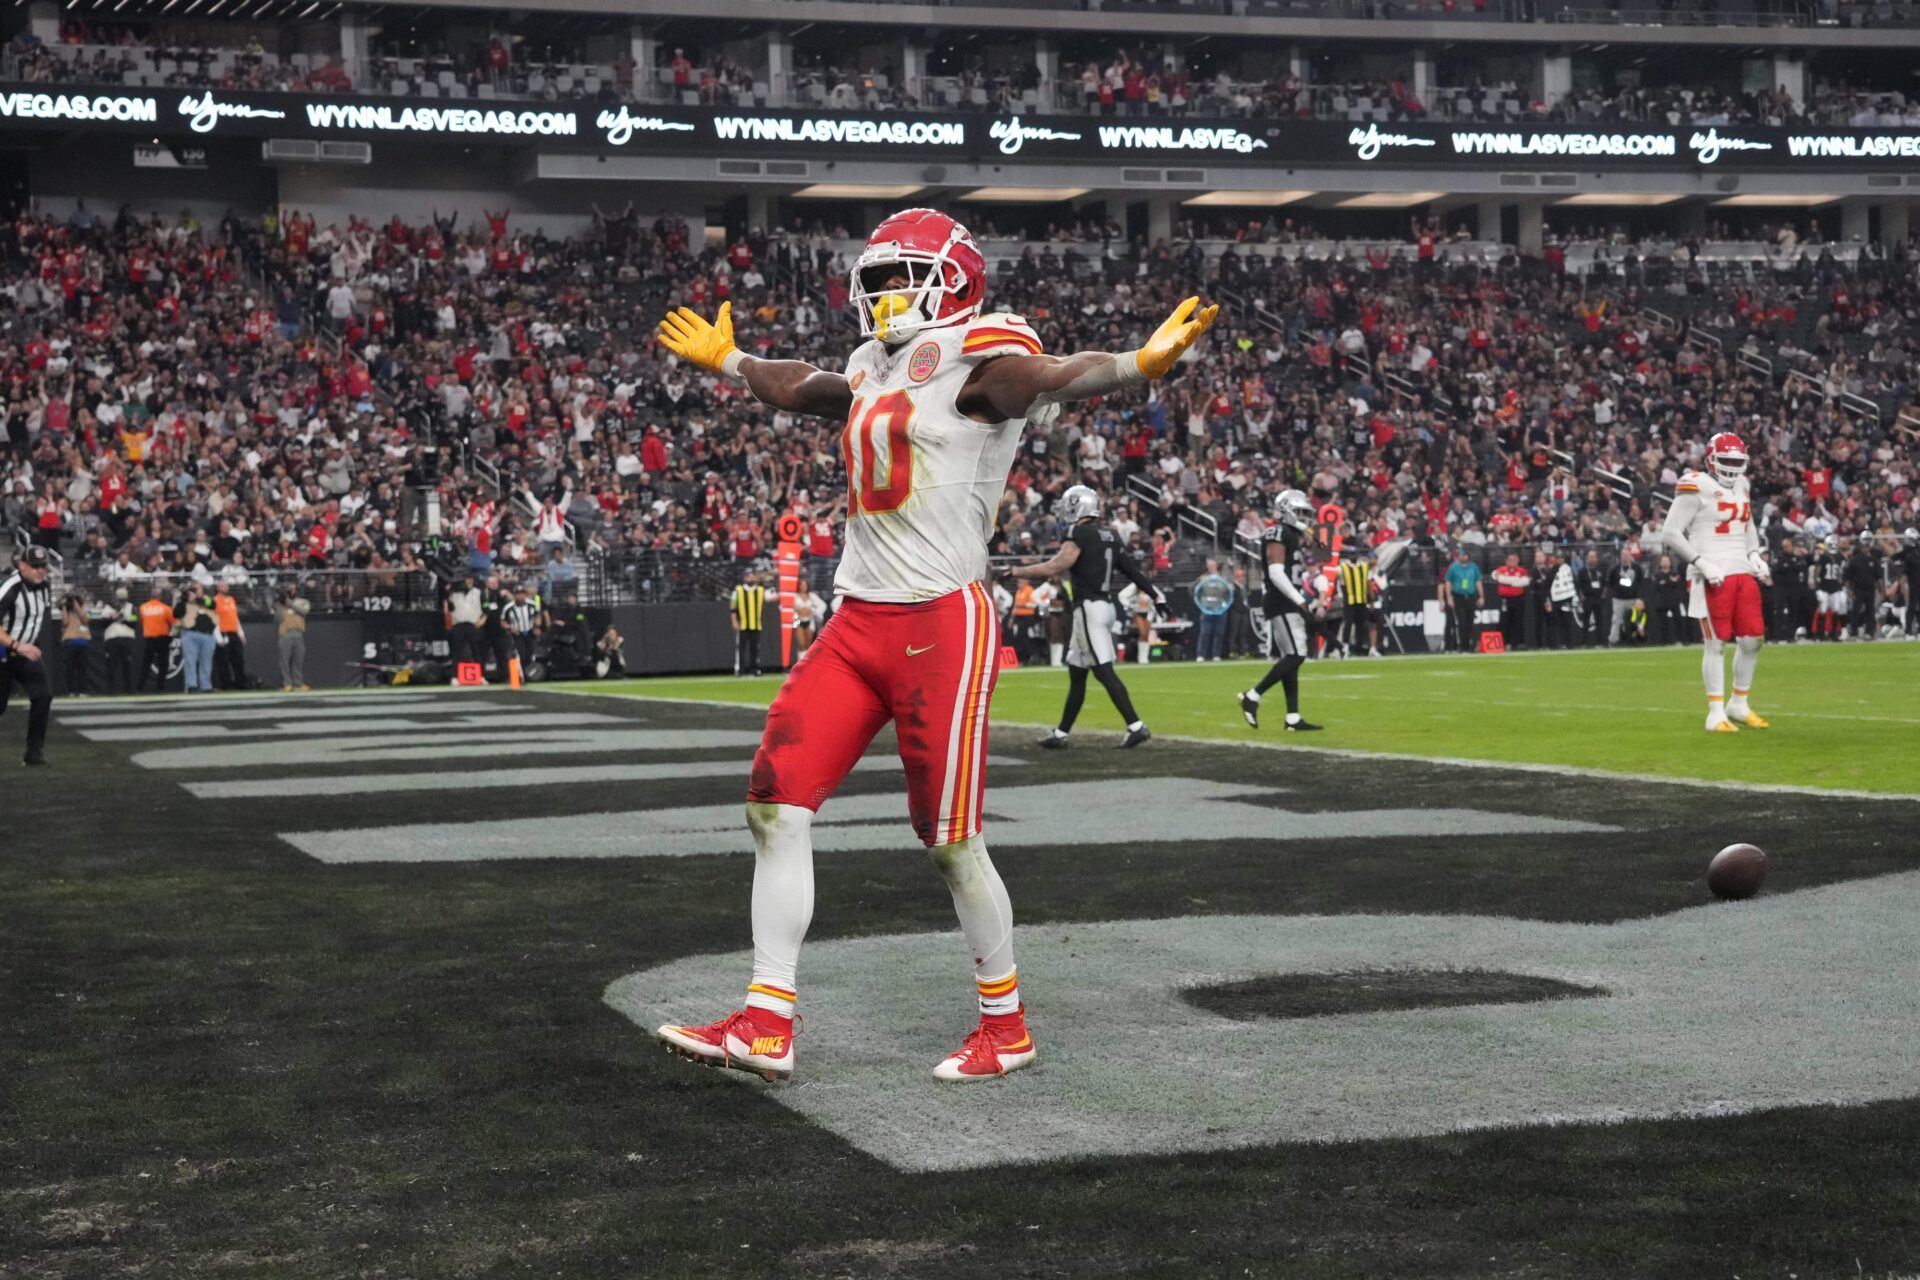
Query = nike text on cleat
x=1056 y=742
x=736 y=1041
x=1136 y=736
x=989 y=1053
x=1251 y=710
x=1753 y=720
x=1303 y=726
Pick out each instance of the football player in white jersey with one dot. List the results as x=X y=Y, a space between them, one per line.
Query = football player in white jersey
x=934 y=404
x=1710 y=526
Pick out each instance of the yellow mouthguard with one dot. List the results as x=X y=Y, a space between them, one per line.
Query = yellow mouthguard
x=885 y=309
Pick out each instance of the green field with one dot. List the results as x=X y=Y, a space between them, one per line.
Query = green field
x=1844 y=716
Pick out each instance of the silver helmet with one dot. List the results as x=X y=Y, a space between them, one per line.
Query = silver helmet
x=1077 y=504
x=1293 y=509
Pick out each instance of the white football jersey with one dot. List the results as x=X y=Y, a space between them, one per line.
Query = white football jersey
x=1717 y=521
x=923 y=480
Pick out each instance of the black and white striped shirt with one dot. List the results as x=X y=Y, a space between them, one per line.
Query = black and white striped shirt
x=23 y=608
x=520 y=615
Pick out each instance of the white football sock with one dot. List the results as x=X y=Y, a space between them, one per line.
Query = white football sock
x=782 y=901
x=986 y=917
x=1746 y=656
x=1251 y=695
x=1714 y=671
x=1056 y=654
x=1144 y=649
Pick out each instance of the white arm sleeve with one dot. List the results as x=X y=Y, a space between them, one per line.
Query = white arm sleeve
x=1673 y=534
x=1277 y=575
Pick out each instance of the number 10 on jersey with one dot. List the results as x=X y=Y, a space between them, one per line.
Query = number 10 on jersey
x=877 y=484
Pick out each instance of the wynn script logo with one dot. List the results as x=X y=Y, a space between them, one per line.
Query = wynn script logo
x=204 y=113
x=1368 y=142
x=1012 y=135
x=620 y=126
x=1708 y=146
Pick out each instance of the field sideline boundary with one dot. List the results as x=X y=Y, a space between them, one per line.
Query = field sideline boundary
x=1352 y=753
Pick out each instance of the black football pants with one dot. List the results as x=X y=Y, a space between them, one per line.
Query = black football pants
x=30 y=678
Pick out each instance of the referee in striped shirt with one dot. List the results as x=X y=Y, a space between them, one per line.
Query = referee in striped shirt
x=25 y=600
x=747 y=611
x=522 y=616
x=1362 y=617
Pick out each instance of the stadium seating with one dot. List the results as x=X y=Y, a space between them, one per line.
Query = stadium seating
x=1479 y=396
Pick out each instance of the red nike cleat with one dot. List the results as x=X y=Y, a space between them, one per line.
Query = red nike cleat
x=995 y=1048
x=737 y=1041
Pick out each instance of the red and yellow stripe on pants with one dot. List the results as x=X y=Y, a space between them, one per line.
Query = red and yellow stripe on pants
x=930 y=668
x=965 y=786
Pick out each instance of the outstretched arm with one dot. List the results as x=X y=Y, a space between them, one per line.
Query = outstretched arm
x=1040 y=571
x=793 y=385
x=1130 y=570
x=1015 y=386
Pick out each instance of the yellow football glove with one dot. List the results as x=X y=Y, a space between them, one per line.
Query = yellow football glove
x=688 y=336
x=1178 y=332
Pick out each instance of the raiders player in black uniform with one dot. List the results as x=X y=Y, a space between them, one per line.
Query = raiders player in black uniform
x=1829 y=591
x=1285 y=609
x=1094 y=561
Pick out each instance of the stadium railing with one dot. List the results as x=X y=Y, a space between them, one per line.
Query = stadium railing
x=258 y=590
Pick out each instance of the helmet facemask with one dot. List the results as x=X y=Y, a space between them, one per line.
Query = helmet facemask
x=1293 y=509
x=895 y=312
x=1728 y=466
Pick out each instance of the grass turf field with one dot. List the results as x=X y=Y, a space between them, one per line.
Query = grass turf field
x=1845 y=716
x=225 y=1057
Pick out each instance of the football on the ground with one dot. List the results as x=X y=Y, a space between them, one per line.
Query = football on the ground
x=1736 y=871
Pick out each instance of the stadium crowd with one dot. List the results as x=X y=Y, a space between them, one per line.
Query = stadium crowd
x=217 y=400
x=1123 y=82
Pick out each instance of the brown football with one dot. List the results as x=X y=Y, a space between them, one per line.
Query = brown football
x=1736 y=871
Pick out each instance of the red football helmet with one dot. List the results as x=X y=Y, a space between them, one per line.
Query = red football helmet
x=946 y=274
x=1727 y=457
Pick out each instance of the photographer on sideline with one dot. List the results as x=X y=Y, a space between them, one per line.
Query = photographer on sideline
x=291 y=613
x=465 y=605
x=76 y=641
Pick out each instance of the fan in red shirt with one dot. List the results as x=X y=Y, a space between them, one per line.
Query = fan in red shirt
x=820 y=537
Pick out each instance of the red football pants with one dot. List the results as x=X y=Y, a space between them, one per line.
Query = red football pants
x=929 y=668
x=1733 y=607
